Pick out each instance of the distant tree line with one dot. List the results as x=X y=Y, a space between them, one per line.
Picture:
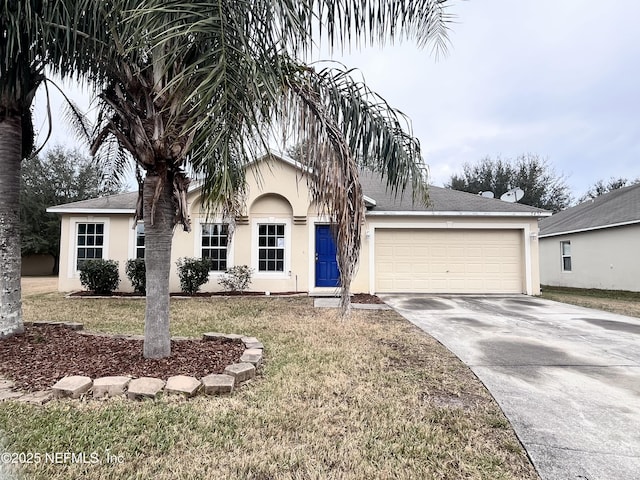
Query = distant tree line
x=542 y=186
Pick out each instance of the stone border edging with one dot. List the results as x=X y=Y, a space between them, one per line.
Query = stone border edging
x=76 y=386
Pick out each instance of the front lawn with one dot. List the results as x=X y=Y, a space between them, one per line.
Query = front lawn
x=371 y=397
x=615 y=301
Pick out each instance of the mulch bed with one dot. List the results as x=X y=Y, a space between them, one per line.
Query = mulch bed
x=365 y=298
x=44 y=354
x=355 y=298
x=88 y=293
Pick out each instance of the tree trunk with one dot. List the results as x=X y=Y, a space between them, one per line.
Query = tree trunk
x=10 y=259
x=158 y=235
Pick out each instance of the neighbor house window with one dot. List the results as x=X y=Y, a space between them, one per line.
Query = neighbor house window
x=140 y=240
x=271 y=247
x=565 y=249
x=89 y=242
x=215 y=239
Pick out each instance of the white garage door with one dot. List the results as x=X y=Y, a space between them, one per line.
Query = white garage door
x=448 y=261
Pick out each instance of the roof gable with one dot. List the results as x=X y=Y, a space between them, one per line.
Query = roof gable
x=619 y=207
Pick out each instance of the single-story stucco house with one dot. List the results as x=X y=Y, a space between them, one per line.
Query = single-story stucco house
x=459 y=243
x=594 y=244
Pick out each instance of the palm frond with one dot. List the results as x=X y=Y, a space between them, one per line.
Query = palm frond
x=347 y=127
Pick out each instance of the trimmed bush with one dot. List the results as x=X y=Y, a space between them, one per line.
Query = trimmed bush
x=236 y=279
x=100 y=276
x=193 y=273
x=137 y=274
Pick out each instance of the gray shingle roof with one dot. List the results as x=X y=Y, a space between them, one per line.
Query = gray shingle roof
x=121 y=201
x=440 y=200
x=620 y=206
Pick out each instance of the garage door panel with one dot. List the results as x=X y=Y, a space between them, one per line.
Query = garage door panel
x=474 y=268
x=448 y=261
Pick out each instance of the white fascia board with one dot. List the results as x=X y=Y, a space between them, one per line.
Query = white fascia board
x=369 y=200
x=590 y=229
x=426 y=213
x=91 y=211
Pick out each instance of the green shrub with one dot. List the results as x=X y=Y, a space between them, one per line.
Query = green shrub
x=100 y=276
x=193 y=273
x=137 y=274
x=236 y=279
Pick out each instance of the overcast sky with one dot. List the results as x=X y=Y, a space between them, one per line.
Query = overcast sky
x=557 y=78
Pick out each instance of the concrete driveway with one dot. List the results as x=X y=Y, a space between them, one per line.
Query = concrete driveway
x=567 y=378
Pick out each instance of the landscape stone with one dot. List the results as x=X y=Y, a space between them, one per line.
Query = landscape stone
x=110 y=386
x=212 y=336
x=74 y=325
x=6 y=394
x=216 y=384
x=144 y=387
x=225 y=337
x=252 y=342
x=183 y=384
x=252 y=356
x=38 y=398
x=241 y=371
x=72 y=386
x=6 y=384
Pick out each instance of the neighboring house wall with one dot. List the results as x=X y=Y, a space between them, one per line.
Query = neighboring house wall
x=37 y=265
x=607 y=259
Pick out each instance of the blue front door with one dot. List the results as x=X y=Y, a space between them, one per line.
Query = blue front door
x=327 y=274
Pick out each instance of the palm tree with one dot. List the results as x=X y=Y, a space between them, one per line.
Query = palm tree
x=34 y=35
x=200 y=86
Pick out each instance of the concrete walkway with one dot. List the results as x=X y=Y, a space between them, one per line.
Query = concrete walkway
x=566 y=377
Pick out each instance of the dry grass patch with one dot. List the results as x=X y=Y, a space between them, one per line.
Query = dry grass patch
x=371 y=397
x=615 y=301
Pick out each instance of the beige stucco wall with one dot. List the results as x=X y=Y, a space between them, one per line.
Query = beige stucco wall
x=278 y=193
x=118 y=245
x=607 y=259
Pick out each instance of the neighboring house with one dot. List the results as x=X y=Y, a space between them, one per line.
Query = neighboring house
x=460 y=243
x=594 y=244
x=37 y=265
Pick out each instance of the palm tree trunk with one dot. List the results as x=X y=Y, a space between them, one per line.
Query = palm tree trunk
x=158 y=234
x=10 y=261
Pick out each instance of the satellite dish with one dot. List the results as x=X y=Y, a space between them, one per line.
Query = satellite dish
x=508 y=197
x=512 y=195
x=519 y=194
x=487 y=194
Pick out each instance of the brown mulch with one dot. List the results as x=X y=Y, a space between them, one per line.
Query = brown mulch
x=365 y=298
x=88 y=293
x=355 y=298
x=44 y=354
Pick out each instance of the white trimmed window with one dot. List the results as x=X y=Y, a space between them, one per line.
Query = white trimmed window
x=214 y=242
x=271 y=247
x=89 y=242
x=139 y=253
x=565 y=253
